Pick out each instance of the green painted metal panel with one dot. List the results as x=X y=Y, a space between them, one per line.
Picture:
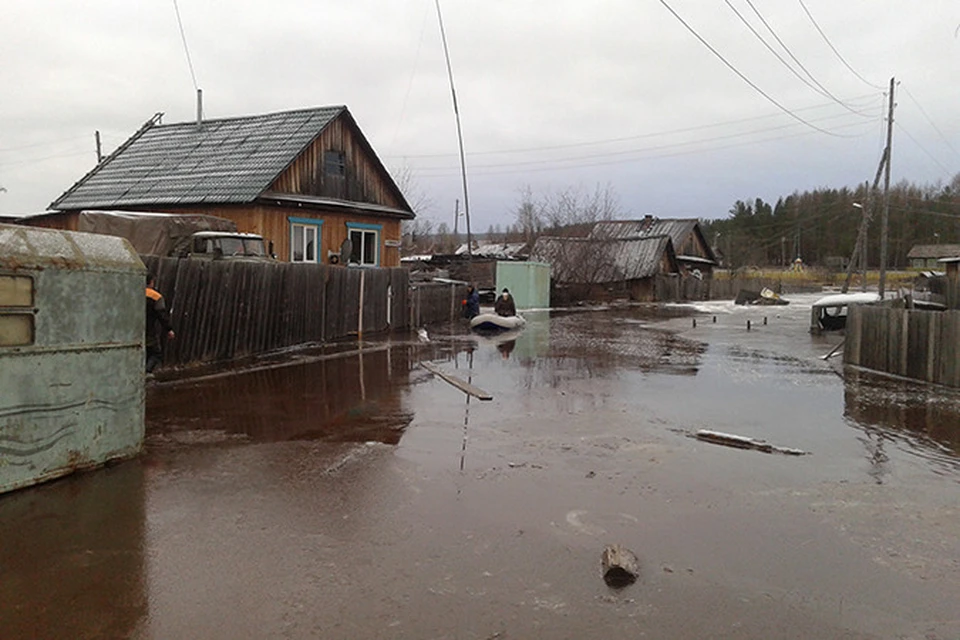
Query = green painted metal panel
x=73 y=398
x=528 y=282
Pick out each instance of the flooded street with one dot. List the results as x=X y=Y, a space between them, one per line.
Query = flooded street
x=359 y=496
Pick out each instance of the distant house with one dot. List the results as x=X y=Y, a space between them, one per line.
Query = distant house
x=694 y=253
x=308 y=181
x=928 y=256
x=602 y=268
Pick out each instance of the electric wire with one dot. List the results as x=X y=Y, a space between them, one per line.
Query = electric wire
x=790 y=53
x=413 y=73
x=186 y=49
x=834 y=49
x=740 y=74
x=642 y=136
x=922 y=148
x=818 y=88
x=553 y=164
x=932 y=123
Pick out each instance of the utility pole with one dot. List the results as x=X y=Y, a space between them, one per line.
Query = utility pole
x=860 y=248
x=96 y=136
x=456 y=219
x=885 y=217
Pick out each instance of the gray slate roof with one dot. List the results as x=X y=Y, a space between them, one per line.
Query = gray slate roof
x=678 y=229
x=598 y=261
x=230 y=160
x=934 y=251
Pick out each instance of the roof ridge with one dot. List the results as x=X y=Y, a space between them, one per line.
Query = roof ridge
x=256 y=116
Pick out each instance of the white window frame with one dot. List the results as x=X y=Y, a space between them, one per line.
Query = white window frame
x=368 y=233
x=309 y=227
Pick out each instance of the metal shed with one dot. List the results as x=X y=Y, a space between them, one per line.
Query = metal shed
x=71 y=353
x=528 y=282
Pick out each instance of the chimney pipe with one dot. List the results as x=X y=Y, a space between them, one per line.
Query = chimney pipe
x=199 y=108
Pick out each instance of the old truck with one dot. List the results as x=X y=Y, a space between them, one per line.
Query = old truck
x=194 y=236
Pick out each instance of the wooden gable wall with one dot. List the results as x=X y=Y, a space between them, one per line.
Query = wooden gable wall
x=365 y=180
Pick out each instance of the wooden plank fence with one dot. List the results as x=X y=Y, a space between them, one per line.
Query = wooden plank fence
x=924 y=345
x=225 y=310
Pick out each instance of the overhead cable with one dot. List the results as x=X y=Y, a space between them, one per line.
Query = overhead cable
x=741 y=76
x=186 y=49
x=822 y=90
x=932 y=124
x=642 y=136
x=834 y=49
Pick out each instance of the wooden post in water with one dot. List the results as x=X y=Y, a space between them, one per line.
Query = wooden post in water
x=360 y=315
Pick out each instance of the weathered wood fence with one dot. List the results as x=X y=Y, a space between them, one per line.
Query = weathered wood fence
x=225 y=310
x=434 y=302
x=924 y=345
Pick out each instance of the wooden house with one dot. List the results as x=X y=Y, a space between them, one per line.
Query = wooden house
x=598 y=269
x=308 y=181
x=694 y=254
x=928 y=256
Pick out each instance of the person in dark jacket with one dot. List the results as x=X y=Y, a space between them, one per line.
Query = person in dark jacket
x=158 y=325
x=504 y=306
x=471 y=306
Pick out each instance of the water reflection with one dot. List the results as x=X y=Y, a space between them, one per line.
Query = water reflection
x=72 y=560
x=924 y=418
x=598 y=345
x=356 y=397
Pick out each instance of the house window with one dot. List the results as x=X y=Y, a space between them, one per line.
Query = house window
x=365 y=243
x=16 y=311
x=334 y=163
x=305 y=239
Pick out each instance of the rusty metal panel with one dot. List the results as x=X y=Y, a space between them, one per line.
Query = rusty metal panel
x=71 y=398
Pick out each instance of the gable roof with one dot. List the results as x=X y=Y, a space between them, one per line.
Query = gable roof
x=679 y=229
x=597 y=261
x=932 y=251
x=223 y=161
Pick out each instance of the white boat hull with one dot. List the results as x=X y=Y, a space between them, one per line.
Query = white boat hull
x=494 y=322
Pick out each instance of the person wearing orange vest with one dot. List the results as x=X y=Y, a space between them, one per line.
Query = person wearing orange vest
x=158 y=324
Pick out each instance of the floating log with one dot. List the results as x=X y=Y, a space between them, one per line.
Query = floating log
x=743 y=442
x=620 y=566
x=464 y=386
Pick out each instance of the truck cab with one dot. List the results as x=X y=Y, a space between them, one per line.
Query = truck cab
x=217 y=245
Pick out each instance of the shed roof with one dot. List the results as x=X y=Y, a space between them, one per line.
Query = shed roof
x=597 y=261
x=33 y=248
x=228 y=160
x=679 y=229
x=933 y=251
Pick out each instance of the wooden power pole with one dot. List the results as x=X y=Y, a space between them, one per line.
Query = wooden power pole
x=885 y=216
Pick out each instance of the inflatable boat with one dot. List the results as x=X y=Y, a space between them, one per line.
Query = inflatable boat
x=491 y=322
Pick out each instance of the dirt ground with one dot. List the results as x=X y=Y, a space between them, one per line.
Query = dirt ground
x=356 y=495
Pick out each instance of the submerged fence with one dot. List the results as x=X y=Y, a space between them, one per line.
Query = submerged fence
x=923 y=345
x=224 y=310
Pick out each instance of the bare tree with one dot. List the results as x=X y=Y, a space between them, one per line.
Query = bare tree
x=566 y=212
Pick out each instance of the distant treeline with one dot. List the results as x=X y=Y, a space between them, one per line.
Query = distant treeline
x=821 y=226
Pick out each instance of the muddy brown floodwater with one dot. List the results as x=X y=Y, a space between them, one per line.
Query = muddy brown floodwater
x=356 y=495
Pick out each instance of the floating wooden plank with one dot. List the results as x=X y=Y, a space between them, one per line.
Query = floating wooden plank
x=620 y=566
x=742 y=442
x=466 y=387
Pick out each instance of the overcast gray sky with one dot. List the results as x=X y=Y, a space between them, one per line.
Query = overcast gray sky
x=552 y=94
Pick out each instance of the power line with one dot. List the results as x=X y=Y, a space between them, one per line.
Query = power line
x=834 y=49
x=186 y=49
x=642 y=136
x=922 y=148
x=609 y=154
x=823 y=90
x=932 y=124
x=740 y=75
x=442 y=173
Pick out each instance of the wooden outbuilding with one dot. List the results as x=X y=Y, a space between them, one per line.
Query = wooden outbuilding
x=308 y=181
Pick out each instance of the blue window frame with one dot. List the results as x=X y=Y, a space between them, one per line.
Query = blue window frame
x=305 y=234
